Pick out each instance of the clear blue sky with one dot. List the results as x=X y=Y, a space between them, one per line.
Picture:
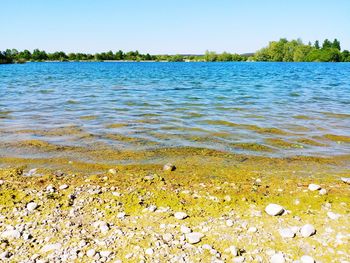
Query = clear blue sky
x=168 y=26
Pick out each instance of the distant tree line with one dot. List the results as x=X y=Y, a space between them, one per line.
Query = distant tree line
x=297 y=51
x=282 y=50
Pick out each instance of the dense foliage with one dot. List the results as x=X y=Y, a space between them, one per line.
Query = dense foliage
x=282 y=50
x=297 y=51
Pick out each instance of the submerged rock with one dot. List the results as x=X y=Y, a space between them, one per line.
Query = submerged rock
x=274 y=210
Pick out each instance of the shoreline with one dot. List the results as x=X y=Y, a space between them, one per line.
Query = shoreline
x=211 y=208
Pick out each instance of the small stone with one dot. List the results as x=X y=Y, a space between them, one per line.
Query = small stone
x=239 y=259
x=105 y=253
x=274 y=209
x=277 y=258
x=333 y=216
x=229 y=222
x=149 y=251
x=287 y=233
x=307 y=230
x=11 y=234
x=31 y=206
x=167 y=237
x=5 y=255
x=121 y=215
x=194 y=238
x=91 y=253
x=63 y=187
x=185 y=229
x=128 y=256
x=2 y=182
x=112 y=171
x=169 y=167
x=180 y=215
x=345 y=180
x=104 y=229
x=152 y=208
x=252 y=229
x=51 y=247
x=234 y=251
x=322 y=191
x=50 y=188
x=31 y=172
x=207 y=247
x=314 y=187
x=307 y=259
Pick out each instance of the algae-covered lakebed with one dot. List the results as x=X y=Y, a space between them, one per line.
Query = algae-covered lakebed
x=154 y=162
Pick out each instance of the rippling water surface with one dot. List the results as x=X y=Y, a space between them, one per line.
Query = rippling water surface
x=272 y=109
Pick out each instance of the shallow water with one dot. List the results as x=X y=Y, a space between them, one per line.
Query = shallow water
x=270 y=109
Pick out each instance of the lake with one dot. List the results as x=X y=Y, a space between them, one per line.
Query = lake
x=269 y=109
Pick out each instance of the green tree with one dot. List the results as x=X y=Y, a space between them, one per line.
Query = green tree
x=224 y=57
x=336 y=44
x=317 y=44
x=210 y=56
x=327 y=44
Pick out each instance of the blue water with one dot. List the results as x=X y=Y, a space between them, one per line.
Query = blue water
x=236 y=107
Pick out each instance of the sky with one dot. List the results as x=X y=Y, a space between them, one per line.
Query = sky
x=168 y=26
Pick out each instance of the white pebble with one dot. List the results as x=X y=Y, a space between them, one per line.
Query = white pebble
x=11 y=234
x=287 y=233
x=234 y=251
x=105 y=253
x=149 y=251
x=274 y=209
x=112 y=171
x=167 y=237
x=229 y=222
x=345 y=180
x=91 y=253
x=277 y=258
x=185 y=229
x=307 y=259
x=104 y=229
x=322 y=191
x=63 y=187
x=238 y=259
x=307 y=230
x=51 y=247
x=121 y=215
x=194 y=238
x=31 y=206
x=314 y=187
x=252 y=229
x=169 y=167
x=180 y=215
x=333 y=216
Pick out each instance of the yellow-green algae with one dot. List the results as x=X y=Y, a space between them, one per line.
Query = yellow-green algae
x=200 y=186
